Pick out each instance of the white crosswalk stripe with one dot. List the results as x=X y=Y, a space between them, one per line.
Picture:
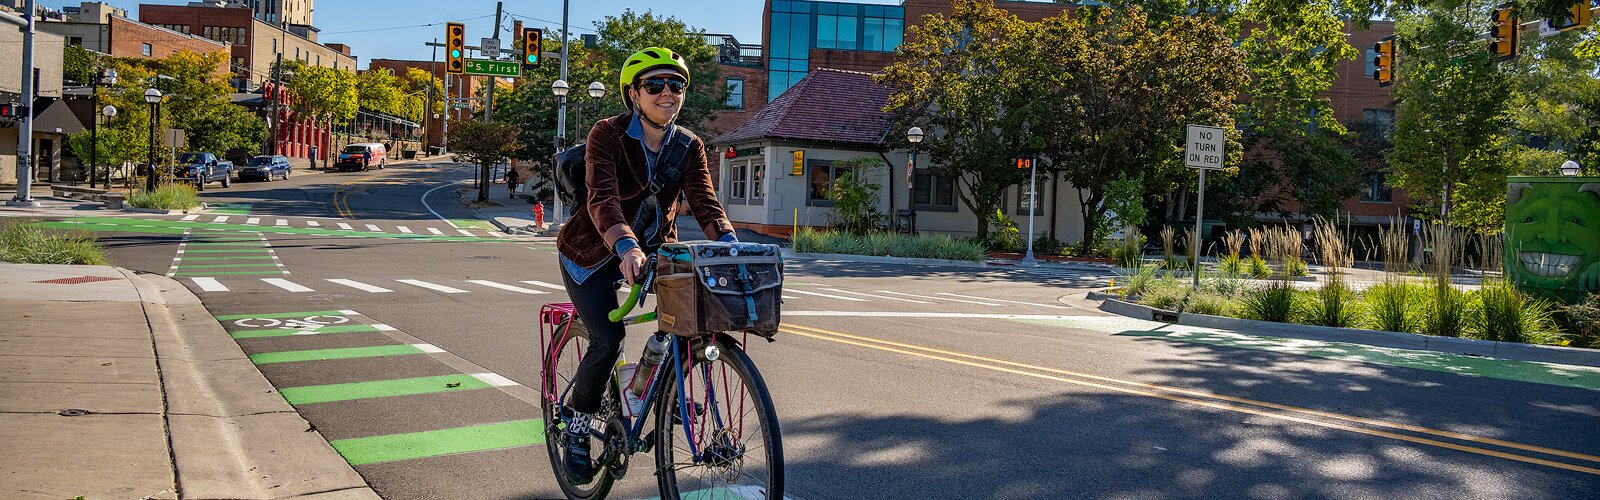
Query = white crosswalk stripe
x=344 y=226
x=840 y=297
x=253 y=220
x=512 y=288
x=1002 y=300
x=914 y=301
x=465 y=232
x=546 y=285
x=286 y=285
x=191 y=217
x=360 y=286
x=405 y=230
x=209 y=284
x=435 y=230
x=497 y=234
x=313 y=223
x=220 y=219
x=282 y=222
x=943 y=298
x=374 y=228
x=432 y=286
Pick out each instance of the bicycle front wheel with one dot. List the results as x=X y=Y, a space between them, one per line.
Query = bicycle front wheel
x=721 y=440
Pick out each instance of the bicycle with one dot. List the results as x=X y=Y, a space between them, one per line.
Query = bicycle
x=727 y=447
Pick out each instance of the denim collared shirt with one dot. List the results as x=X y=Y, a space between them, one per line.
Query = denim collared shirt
x=652 y=158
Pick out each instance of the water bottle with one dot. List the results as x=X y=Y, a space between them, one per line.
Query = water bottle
x=654 y=350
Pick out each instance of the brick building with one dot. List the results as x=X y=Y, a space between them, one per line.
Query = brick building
x=800 y=37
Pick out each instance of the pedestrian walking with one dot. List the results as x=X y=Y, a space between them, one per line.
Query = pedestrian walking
x=511 y=182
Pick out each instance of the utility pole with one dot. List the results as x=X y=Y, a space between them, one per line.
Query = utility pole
x=559 y=215
x=24 y=196
x=427 y=115
x=488 y=95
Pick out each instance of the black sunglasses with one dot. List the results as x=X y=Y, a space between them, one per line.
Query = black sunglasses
x=654 y=86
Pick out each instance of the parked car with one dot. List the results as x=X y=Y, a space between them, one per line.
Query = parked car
x=265 y=167
x=204 y=168
x=362 y=156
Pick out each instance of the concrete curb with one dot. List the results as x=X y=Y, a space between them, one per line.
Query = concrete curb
x=138 y=210
x=506 y=226
x=790 y=254
x=1377 y=338
x=231 y=434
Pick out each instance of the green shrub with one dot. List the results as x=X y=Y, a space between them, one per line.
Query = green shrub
x=1506 y=315
x=927 y=246
x=1335 y=305
x=1214 y=304
x=1391 y=306
x=1258 y=267
x=1293 y=266
x=1045 y=245
x=1446 y=313
x=855 y=200
x=1004 y=235
x=27 y=244
x=1137 y=282
x=1274 y=302
x=1223 y=284
x=1167 y=293
x=1129 y=252
x=1231 y=263
x=174 y=197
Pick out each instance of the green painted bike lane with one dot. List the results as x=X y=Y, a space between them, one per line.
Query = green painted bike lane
x=208 y=254
x=380 y=448
x=1582 y=377
x=178 y=227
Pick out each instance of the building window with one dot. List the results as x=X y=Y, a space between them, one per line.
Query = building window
x=739 y=181
x=224 y=34
x=1371 y=67
x=822 y=176
x=274 y=45
x=319 y=59
x=75 y=41
x=837 y=32
x=932 y=192
x=758 y=174
x=1375 y=188
x=735 y=93
x=144 y=49
x=1379 y=122
x=297 y=52
x=1027 y=200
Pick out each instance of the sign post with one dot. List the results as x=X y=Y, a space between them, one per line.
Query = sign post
x=1203 y=150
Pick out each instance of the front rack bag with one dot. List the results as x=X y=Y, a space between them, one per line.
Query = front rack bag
x=705 y=287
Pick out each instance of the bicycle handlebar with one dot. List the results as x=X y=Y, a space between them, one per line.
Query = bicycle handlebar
x=627 y=305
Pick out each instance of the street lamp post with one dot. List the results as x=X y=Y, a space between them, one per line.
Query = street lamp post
x=153 y=97
x=913 y=136
x=107 y=77
x=560 y=88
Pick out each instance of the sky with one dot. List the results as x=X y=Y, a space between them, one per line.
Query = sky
x=394 y=29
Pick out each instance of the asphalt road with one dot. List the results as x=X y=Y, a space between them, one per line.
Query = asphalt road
x=890 y=381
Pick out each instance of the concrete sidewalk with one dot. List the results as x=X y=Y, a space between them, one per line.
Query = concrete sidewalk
x=121 y=385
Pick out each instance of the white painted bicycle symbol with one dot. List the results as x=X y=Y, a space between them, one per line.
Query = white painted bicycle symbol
x=306 y=323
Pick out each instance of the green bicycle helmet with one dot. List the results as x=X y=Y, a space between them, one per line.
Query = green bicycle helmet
x=647 y=60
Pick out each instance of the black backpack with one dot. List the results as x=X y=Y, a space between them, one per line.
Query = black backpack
x=571 y=170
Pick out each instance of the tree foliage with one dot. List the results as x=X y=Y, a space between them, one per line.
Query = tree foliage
x=484 y=144
x=323 y=93
x=78 y=65
x=195 y=99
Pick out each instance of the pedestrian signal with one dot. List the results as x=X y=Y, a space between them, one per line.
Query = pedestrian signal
x=455 y=48
x=1024 y=163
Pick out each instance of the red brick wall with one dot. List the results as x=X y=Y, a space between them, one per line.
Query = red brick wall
x=199 y=17
x=127 y=39
x=755 y=97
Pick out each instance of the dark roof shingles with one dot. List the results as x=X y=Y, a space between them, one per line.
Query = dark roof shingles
x=827 y=105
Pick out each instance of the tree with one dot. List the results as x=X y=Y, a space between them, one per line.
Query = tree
x=484 y=144
x=1117 y=94
x=855 y=199
x=955 y=76
x=77 y=64
x=621 y=36
x=195 y=99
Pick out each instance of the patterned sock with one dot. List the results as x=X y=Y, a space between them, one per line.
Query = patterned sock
x=579 y=423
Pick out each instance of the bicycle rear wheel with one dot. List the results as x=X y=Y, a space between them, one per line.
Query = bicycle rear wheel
x=732 y=448
x=561 y=366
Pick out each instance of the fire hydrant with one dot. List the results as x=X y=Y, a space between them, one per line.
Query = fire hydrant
x=538 y=215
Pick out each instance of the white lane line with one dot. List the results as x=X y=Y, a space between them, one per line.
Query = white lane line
x=435 y=230
x=374 y=228
x=313 y=223
x=220 y=219
x=209 y=284
x=465 y=233
x=431 y=286
x=840 y=297
x=428 y=348
x=1002 y=300
x=497 y=234
x=914 y=301
x=173 y=271
x=546 y=285
x=494 y=379
x=286 y=285
x=344 y=226
x=943 y=298
x=405 y=230
x=501 y=286
x=253 y=220
x=191 y=217
x=360 y=286
x=384 y=328
x=348 y=312
x=425 y=204
x=788 y=297
x=282 y=223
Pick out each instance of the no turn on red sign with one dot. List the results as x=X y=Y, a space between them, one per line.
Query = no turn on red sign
x=1203 y=149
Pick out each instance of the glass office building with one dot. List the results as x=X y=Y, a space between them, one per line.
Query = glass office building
x=799 y=26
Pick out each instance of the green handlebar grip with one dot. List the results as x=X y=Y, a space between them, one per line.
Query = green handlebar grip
x=627 y=305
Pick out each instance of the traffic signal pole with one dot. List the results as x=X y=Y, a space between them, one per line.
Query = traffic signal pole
x=559 y=216
x=24 y=196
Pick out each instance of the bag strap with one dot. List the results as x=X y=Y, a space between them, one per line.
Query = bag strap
x=673 y=168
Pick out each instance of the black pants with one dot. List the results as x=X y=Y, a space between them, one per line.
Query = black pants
x=595 y=298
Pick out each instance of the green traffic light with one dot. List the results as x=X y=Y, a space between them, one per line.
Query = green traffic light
x=533 y=58
x=455 y=52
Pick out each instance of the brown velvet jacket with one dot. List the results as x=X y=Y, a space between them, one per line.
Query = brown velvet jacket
x=618 y=184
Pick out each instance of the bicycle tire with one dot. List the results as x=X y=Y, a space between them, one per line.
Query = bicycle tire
x=577 y=338
x=730 y=437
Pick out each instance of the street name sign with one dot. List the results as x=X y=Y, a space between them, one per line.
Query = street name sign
x=493 y=68
x=1203 y=149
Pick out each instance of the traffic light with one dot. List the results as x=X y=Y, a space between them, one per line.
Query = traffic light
x=1024 y=163
x=455 y=48
x=1503 y=32
x=532 y=45
x=1384 y=61
x=1578 y=17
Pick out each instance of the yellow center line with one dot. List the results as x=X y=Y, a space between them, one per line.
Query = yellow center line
x=991 y=364
x=341 y=198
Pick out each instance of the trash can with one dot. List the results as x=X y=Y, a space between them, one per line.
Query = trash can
x=905 y=221
x=408 y=154
x=313 y=156
x=435 y=150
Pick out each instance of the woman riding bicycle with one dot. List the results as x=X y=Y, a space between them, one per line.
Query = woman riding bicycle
x=631 y=206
